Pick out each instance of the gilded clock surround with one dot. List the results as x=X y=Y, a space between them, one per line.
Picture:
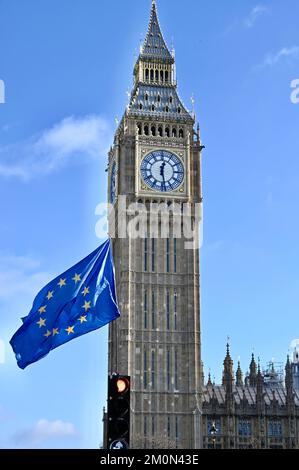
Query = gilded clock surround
x=144 y=190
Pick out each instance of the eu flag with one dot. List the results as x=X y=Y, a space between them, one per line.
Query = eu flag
x=81 y=300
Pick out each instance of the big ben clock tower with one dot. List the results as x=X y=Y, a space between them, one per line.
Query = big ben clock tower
x=156 y=159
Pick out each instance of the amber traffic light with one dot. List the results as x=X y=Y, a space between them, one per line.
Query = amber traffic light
x=118 y=412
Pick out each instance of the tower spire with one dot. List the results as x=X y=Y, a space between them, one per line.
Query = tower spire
x=155 y=86
x=154 y=46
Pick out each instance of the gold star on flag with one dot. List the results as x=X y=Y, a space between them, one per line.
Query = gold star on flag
x=41 y=322
x=50 y=294
x=42 y=309
x=62 y=283
x=77 y=278
x=70 y=330
x=86 y=291
x=48 y=334
x=86 y=306
x=55 y=331
x=82 y=319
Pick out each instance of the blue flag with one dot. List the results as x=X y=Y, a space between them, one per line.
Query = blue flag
x=81 y=300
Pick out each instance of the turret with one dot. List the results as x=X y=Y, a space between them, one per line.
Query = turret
x=252 y=372
x=260 y=391
x=239 y=376
x=228 y=375
x=295 y=368
x=289 y=383
x=259 y=383
x=228 y=380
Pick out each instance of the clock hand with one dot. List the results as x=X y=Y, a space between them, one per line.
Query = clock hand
x=162 y=173
x=162 y=167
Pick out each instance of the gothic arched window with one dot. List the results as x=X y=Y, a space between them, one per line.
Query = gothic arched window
x=153 y=309
x=153 y=254
x=139 y=129
x=181 y=133
x=145 y=369
x=157 y=75
x=162 y=76
x=175 y=255
x=167 y=132
x=175 y=311
x=167 y=255
x=153 y=130
x=145 y=309
x=160 y=131
x=146 y=131
x=146 y=74
x=153 y=371
x=145 y=254
x=152 y=75
x=177 y=428
x=174 y=133
x=168 y=310
x=176 y=368
x=166 y=76
x=168 y=370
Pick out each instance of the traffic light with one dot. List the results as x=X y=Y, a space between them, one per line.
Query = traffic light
x=118 y=412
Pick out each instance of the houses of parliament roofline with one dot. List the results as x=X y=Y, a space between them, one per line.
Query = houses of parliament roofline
x=261 y=411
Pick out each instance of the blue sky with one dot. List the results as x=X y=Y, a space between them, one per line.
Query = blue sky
x=67 y=66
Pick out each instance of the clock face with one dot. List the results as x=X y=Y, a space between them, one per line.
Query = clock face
x=162 y=171
x=113 y=183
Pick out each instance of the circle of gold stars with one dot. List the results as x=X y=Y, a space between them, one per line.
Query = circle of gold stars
x=70 y=330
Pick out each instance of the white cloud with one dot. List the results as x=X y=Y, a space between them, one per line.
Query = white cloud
x=19 y=276
x=255 y=14
x=286 y=53
x=43 y=431
x=71 y=140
